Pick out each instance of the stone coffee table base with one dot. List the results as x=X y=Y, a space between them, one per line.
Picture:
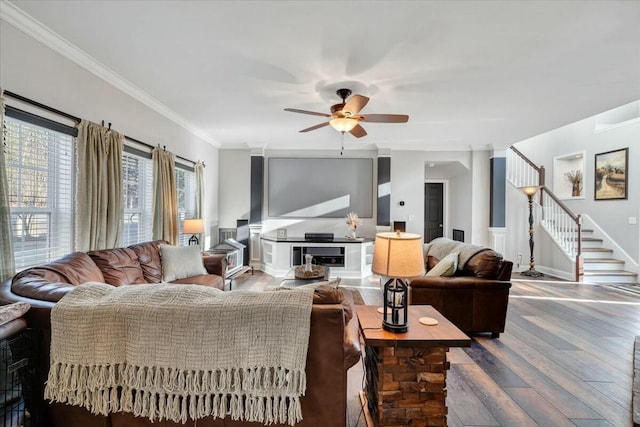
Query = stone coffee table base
x=406 y=386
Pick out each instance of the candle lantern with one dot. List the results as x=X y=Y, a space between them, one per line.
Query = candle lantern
x=397 y=256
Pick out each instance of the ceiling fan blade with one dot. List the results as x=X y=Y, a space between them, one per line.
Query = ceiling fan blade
x=321 y=125
x=384 y=118
x=358 y=131
x=312 y=113
x=355 y=104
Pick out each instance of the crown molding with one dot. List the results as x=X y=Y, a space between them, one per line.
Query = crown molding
x=14 y=16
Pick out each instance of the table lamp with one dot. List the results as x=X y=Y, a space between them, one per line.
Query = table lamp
x=397 y=256
x=193 y=226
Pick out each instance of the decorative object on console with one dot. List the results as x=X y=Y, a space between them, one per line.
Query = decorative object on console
x=353 y=221
x=397 y=256
x=530 y=192
x=193 y=226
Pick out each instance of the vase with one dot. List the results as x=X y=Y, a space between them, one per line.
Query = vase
x=353 y=234
x=575 y=191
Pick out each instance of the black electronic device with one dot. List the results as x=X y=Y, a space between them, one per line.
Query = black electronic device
x=319 y=237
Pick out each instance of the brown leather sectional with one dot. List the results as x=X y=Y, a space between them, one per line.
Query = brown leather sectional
x=475 y=299
x=333 y=344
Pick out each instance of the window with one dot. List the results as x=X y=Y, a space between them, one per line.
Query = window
x=137 y=177
x=186 y=193
x=40 y=177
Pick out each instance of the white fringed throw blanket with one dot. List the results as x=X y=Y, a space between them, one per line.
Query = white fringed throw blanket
x=177 y=351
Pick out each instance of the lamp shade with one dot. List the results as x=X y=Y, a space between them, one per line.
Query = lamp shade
x=193 y=226
x=530 y=190
x=398 y=255
x=343 y=124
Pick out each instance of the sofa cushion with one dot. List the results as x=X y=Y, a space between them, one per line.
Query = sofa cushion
x=203 y=279
x=119 y=266
x=76 y=268
x=484 y=265
x=446 y=267
x=149 y=258
x=179 y=262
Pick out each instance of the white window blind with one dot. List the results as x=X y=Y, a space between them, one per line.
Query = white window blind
x=186 y=193
x=40 y=177
x=137 y=177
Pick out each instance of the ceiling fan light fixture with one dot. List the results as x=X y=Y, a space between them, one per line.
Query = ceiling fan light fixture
x=343 y=124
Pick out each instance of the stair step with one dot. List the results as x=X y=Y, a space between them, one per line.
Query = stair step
x=584 y=230
x=619 y=276
x=603 y=264
x=589 y=253
x=603 y=261
x=588 y=242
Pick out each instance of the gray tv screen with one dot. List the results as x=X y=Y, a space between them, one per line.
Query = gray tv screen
x=319 y=188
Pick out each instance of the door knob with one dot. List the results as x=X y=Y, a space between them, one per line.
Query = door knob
x=440 y=225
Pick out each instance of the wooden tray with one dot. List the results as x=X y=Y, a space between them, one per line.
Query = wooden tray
x=317 y=273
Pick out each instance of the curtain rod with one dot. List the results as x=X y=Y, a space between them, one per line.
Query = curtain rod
x=42 y=106
x=76 y=119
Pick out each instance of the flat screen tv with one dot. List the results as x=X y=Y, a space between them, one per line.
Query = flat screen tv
x=319 y=188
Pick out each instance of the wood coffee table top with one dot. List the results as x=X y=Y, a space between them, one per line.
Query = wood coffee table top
x=444 y=334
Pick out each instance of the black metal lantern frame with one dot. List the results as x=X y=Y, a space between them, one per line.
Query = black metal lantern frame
x=395 y=306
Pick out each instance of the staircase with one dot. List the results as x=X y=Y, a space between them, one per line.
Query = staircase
x=593 y=259
x=599 y=264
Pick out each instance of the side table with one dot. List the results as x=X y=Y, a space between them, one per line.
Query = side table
x=406 y=373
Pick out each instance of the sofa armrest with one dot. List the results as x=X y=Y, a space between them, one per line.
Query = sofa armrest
x=215 y=264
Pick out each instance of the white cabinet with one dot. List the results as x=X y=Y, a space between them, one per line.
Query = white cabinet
x=346 y=258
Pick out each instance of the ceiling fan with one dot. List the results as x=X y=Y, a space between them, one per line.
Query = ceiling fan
x=344 y=117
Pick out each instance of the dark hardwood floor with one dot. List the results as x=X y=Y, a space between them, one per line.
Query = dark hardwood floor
x=565 y=359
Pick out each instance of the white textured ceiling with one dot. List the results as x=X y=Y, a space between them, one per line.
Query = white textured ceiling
x=469 y=74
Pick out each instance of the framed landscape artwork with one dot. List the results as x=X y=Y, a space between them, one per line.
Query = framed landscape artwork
x=611 y=175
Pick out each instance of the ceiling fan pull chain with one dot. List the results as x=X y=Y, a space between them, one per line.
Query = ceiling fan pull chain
x=342 y=143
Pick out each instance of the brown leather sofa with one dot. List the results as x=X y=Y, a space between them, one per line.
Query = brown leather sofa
x=475 y=298
x=333 y=343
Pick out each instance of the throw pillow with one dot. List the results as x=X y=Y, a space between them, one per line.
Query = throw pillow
x=179 y=262
x=447 y=266
x=13 y=311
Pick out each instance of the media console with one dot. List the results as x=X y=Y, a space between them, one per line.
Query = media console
x=348 y=258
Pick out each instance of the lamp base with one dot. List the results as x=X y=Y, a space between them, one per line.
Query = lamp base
x=193 y=241
x=532 y=273
x=396 y=329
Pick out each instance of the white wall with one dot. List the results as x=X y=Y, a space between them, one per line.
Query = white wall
x=612 y=215
x=235 y=192
x=31 y=69
x=407 y=184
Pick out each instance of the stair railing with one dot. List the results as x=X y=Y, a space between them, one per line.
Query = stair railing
x=563 y=225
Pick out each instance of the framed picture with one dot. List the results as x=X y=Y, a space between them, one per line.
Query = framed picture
x=611 y=175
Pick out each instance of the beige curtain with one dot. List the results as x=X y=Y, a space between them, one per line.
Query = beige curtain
x=7 y=264
x=99 y=187
x=165 y=200
x=198 y=170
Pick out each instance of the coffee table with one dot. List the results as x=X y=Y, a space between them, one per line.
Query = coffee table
x=291 y=281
